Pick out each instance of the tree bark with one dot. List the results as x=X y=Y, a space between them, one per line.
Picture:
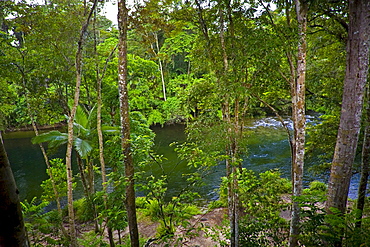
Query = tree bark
x=48 y=166
x=365 y=166
x=78 y=64
x=33 y=123
x=299 y=120
x=12 y=230
x=352 y=103
x=125 y=123
x=160 y=67
x=99 y=79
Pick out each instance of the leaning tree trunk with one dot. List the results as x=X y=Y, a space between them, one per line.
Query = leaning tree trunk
x=299 y=121
x=48 y=166
x=352 y=103
x=365 y=166
x=43 y=151
x=99 y=79
x=160 y=67
x=72 y=226
x=12 y=230
x=125 y=123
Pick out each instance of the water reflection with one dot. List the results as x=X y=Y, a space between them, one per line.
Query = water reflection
x=27 y=163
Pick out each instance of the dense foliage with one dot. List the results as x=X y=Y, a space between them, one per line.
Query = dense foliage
x=207 y=64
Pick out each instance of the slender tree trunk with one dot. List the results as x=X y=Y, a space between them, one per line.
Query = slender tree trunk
x=102 y=162
x=365 y=166
x=72 y=226
x=125 y=123
x=161 y=68
x=56 y=193
x=232 y=167
x=232 y=199
x=233 y=130
x=83 y=176
x=25 y=90
x=99 y=79
x=12 y=230
x=90 y=179
x=231 y=171
x=352 y=103
x=299 y=121
x=46 y=158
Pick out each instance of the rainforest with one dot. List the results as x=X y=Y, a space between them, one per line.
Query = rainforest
x=184 y=123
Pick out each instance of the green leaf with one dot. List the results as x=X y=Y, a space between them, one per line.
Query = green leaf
x=54 y=138
x=83 y=147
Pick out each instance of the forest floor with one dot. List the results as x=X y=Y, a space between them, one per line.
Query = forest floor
x=198 y=234
x=203 y=230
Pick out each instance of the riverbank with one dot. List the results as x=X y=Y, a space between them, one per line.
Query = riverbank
x=42 y=127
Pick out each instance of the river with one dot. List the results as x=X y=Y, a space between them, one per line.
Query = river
x=267 y=146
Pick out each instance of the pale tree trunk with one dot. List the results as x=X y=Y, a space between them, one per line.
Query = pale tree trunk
x=232 y=164
x=233 y=129
x=72 y=227
x=365 y=166
x=231 y=174
x=102 y=161
x=297 y=86
x=46 y=158
x=233 y=220
x=125 y=123
x=299 y=121
x=12 y=230
x=56 y=193
x=99 y=79
x=160 y=68
x=352 y=103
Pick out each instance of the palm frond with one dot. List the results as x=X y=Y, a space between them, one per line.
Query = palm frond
x=81 y=117
x=83 y=147
x=111 y=129
x=91 y=116
x=79 y=129
x=53 y=138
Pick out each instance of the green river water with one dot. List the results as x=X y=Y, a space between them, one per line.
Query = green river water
x=267 y=146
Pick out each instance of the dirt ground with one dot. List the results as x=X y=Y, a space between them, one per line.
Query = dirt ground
x=193 y=238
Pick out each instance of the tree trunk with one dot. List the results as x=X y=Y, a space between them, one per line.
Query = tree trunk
x=232 y=164
x=33 y=123
x=125 y=123
x=160 y=67
x=56 y=193
x=352 y=103
x=365 y=166
x=72 y=227
x=99 y=79
x=299 y=120
x=12 y=230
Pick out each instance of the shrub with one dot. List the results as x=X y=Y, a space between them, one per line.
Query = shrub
x=261 y=203
x=83 y=212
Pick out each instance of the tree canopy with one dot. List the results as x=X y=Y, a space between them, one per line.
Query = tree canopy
x=208 y=64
